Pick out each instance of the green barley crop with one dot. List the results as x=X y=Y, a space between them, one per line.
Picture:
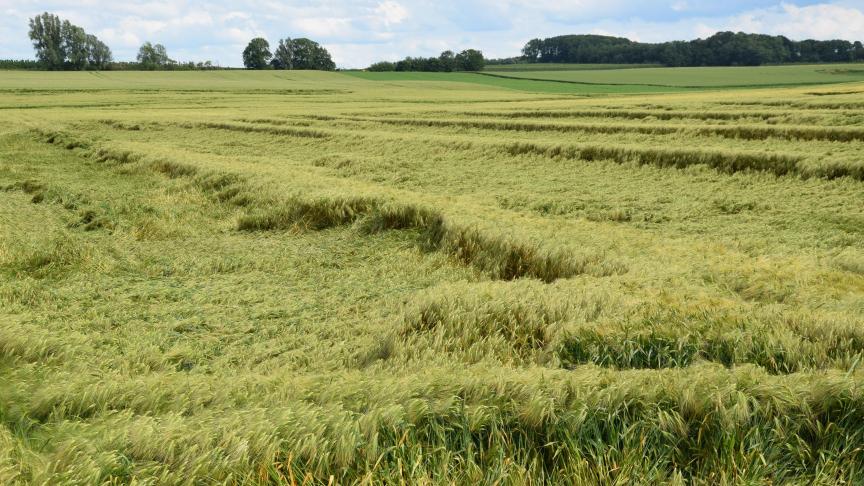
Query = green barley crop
x=237 y=278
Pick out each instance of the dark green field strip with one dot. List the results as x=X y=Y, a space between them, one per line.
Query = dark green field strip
x=671 y=86
x=554 y=66
x=404 y=79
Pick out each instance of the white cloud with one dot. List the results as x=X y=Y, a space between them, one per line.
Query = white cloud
x=144 y=27
x=240 y=35
x=114 y=37
x=323 y=26
x=823 y=21
x=391 y=13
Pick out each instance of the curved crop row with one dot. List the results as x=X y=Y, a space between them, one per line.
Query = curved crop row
x=628 y=114
x=666 y=341
x=236 y=127
x=524 y=323
x=479 y=424
x=745 y=132
x=499 y=256
x=502 y=257
x=724 y=161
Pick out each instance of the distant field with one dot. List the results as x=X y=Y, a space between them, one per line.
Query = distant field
x=509 y=82
x=553 y=66
x=706 y=77
x=327 y=278
x=236 y=80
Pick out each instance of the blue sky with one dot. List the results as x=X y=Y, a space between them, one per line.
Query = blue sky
x=360 y=32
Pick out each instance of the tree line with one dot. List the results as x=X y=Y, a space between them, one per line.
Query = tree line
x=467 y=60
x=61 y=45
x=290 y=53
x=20 y=64
x=721 y=49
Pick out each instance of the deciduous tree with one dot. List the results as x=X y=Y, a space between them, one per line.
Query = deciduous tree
x=153 y=56
x=257 y=54
x=301 y=54
x=60 y=44
x=46 y=32
x=470 y=60
x=99 y=54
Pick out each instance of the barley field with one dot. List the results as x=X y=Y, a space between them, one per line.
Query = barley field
x=330 y=278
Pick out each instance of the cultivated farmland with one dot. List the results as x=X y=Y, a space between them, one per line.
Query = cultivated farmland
x=327 y=278
x=692 y=77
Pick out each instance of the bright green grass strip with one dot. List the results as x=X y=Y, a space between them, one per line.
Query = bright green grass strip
x=531 y=85
x=554 y=66
x=706 y=77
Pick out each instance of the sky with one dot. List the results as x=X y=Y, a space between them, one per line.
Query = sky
x=359 y=32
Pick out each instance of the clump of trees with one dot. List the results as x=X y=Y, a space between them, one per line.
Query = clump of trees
x=62 y=45
x=257 y=54
x=467 y=60
x=176 y=66
x=721 y=49
x=21 y=64
x=290 y=53
x=152 y=57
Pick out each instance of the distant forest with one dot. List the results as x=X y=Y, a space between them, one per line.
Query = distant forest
x=721 y=49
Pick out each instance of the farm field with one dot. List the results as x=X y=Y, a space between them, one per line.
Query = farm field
x=499 y=80
x=556 y=66
x=339 y=278
x=696 y=77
